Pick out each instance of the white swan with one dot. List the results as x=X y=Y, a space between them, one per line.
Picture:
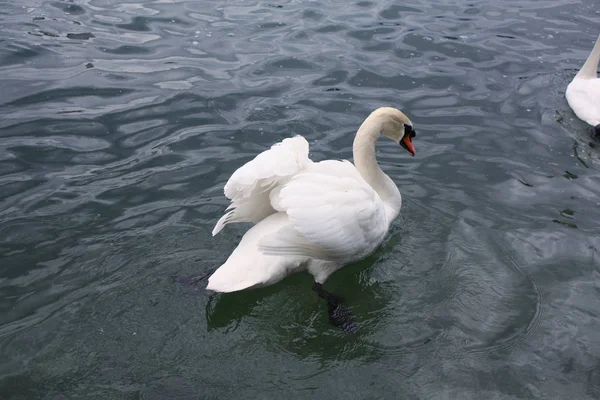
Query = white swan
x=583 y=93
x=310 y=216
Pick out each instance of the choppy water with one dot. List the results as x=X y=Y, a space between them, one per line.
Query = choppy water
x=120 y=121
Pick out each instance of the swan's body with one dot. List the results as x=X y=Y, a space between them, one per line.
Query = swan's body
x=583 y=93
x=314 y=216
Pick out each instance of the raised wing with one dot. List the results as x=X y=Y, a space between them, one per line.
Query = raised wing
x=335 y=214
x=249 y=186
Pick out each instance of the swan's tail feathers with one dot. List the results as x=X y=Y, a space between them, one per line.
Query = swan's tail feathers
x=224 y=220
x=233 y=215
x=248 y=267
x=252 y=271
x=221 y=281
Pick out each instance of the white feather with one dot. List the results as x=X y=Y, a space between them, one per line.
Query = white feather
x=583 y=93
x=249 y=187
x=583 y=97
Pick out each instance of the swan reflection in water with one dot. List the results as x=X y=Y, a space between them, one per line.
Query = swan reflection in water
x=291 y=321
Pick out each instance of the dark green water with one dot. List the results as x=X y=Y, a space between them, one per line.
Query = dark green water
x=120 y=121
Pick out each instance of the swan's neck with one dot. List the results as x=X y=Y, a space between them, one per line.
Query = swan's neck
x=590 y=68
x=366 y=163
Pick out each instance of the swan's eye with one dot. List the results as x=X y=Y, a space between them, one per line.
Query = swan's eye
x=409 y=131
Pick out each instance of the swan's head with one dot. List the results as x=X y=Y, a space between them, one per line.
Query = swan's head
x=397 y=126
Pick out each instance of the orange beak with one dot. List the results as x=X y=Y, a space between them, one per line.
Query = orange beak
x=407 y=144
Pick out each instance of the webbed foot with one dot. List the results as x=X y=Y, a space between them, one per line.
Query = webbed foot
x=339 y=313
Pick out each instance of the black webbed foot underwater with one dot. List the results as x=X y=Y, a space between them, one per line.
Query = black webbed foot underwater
x=340 y=314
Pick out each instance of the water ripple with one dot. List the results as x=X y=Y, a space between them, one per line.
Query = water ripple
x=121 y=120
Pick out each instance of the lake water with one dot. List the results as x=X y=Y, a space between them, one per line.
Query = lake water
x=120 y=122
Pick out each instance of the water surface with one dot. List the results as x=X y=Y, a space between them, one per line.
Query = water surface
x=120 y=121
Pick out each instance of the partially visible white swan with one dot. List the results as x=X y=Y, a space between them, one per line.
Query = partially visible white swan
x=583 y=93
x=310 y=216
